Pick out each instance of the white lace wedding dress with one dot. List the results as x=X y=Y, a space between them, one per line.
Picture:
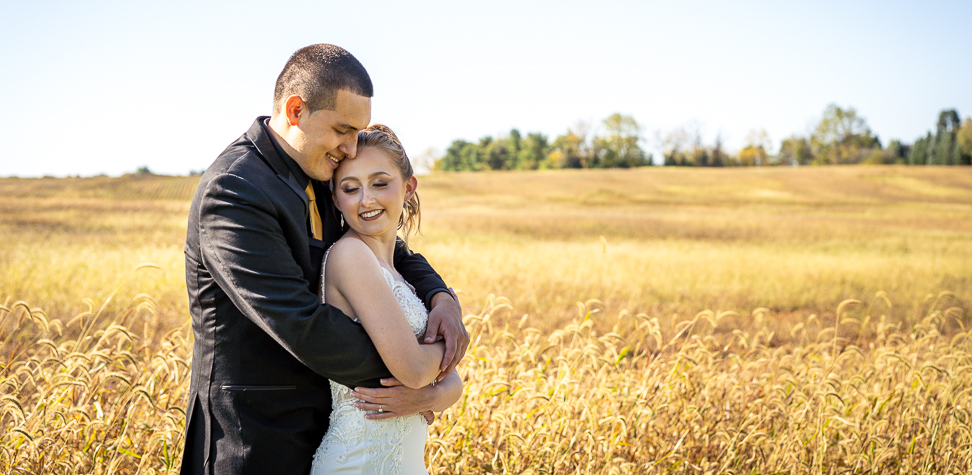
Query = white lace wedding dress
x=355 y=445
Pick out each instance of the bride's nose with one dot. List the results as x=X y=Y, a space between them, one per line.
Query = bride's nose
x=367 y=197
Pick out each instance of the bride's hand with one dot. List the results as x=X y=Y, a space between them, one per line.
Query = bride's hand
x=394 y=400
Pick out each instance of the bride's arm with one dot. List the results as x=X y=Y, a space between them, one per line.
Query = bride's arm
x=358 y=278
x=450 y=390
x=397 y=400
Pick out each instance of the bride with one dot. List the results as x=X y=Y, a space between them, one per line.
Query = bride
x=375 y=193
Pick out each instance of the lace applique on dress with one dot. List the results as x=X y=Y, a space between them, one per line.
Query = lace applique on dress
x=376 y=446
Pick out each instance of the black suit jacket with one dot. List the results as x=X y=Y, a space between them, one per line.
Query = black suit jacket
x=265 y=346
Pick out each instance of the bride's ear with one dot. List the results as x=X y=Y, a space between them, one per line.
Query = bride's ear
x=410 y=186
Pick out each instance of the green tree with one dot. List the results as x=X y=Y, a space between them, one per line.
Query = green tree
x=513 y=147
x=718 y=154
x=919 y=153
x=964 y=139
x=497 y=155
x=841 y=137
x=533 y=152
x=795 y=150
x=570 y=150
x=895 y=153
x=452 y=160
x=946 y=150
x=619 y=146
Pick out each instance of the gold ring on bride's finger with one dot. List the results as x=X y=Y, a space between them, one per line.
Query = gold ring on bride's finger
x=380 y=410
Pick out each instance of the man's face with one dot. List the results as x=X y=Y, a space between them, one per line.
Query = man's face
x=329 y=136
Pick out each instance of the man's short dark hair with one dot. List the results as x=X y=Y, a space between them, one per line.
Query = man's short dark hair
x=316 y=73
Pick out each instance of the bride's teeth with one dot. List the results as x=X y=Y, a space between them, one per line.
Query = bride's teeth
x=371 y=214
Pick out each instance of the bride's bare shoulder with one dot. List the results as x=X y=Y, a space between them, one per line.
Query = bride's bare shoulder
x=350 y=253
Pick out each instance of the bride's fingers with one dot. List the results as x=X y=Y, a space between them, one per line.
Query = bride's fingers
x=376 y=411
x=369 y=406
x=382 y=415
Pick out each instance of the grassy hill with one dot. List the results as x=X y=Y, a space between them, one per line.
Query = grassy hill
x=674 y=240
x=643 y=321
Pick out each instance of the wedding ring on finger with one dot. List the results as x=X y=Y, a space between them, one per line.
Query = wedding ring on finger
x=380 y=410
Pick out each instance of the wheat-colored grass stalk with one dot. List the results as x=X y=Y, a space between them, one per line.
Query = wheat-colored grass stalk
x=859 y=395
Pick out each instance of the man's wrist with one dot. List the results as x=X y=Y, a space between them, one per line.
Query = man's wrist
x=438 y=295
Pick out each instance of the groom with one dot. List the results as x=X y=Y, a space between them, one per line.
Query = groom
x=265 y=347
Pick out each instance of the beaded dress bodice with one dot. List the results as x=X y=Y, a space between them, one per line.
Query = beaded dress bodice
x=393 y=446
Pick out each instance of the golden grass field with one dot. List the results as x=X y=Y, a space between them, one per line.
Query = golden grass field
x=645 y=321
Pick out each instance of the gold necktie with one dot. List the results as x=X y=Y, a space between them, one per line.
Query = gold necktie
x=317 y=229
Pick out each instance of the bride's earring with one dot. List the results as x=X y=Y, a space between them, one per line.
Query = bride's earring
x=342 y=219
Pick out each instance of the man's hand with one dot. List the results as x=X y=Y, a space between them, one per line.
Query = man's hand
x=394 y=400
x=445 y=321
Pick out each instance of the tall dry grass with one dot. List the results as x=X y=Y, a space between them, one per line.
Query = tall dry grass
x=90 y=395
x=715 y=334
x=863 y=395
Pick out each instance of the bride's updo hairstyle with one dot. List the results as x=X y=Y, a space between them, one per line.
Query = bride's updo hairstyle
x=382 y=138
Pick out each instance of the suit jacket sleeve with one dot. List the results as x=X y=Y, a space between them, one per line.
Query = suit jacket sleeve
x=417 y=271
x=245 y=249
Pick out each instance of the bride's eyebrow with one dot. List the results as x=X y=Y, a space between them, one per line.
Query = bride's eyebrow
x=369 y=176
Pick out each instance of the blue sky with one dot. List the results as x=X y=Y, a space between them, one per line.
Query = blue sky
x=105 y=87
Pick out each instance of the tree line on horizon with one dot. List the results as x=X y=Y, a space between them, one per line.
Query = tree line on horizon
x=841 y=137
x=617 y=147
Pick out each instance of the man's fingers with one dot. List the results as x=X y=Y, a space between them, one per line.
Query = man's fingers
x=377 y=411
x=389 y=382
x=463 y=345
x=370 y=394
x=456 y=345
x=450 y=351
x=451 y=367
x=431 y=331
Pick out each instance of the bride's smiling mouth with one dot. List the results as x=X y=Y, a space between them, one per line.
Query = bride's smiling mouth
x=371 y=215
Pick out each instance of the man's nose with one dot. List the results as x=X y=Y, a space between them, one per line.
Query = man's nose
x=350 y=147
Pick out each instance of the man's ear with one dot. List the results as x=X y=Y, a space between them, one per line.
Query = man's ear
x=410 y=186
x=292 y=109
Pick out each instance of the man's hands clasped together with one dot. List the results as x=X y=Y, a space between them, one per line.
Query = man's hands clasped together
x=395 y=399
x=445 y=322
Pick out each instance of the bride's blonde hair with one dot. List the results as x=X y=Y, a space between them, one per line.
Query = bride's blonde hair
x=382 y=138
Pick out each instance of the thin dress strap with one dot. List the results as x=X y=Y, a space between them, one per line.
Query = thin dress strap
x=323 y=270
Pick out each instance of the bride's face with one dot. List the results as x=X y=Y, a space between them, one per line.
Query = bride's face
x=370 y=192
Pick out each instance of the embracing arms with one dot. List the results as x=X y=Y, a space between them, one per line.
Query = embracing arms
x=249 y=254
x=445 y=314
x=397 y=400
x=355 y=283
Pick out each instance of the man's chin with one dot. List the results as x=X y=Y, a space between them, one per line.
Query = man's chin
x=323 y=174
